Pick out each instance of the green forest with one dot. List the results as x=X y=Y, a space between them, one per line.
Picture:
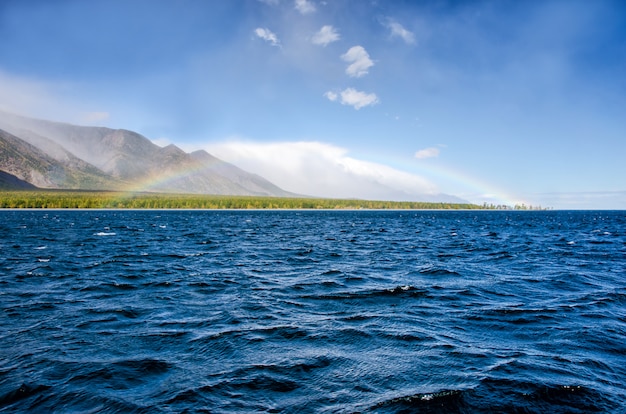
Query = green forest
x=60 y=199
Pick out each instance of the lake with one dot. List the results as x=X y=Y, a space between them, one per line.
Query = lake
x=312 y=311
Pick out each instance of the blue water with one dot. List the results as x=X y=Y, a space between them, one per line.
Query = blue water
x=312 y=311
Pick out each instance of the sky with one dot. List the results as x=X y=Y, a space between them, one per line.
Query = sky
x=504 y=102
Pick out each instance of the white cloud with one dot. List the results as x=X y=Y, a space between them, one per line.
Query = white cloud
x=304 y=6
x=327 y=34
x=359 y=61
x=397 y=30
x=332 y=96
x=427 y=153
x=352 y=97
x=267 y=35
x=323 y=170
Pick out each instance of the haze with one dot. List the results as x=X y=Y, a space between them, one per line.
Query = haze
x=498 y=102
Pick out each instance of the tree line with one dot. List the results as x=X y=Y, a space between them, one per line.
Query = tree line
x=61 y=199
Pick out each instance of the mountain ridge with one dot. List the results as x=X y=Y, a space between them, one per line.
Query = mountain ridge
x=119 y=158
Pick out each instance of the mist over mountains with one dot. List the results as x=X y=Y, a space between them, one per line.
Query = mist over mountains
x=47 y=154
x=50 y=154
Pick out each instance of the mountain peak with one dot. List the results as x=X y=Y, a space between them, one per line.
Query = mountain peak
x=171 y=149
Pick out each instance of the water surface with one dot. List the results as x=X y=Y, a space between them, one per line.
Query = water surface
x=312 y=311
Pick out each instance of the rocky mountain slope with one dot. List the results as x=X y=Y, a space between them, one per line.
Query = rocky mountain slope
x=58 y=155
x=11 y=182
x=33 y=165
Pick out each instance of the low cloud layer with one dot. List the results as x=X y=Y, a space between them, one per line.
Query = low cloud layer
x=323 y=170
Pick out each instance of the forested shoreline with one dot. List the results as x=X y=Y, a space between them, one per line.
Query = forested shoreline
x=61 y=199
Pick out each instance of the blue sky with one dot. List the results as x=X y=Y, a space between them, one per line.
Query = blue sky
x=491 y=101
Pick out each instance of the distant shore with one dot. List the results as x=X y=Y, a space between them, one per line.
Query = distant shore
x=82 y=199
x=101 y=199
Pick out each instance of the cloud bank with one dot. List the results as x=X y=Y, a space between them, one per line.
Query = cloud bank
x=359 y=61
x=323 y=170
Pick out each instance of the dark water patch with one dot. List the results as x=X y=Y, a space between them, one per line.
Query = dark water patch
x=24 y=391
x=501 y=396
x=447 y=401
x=253 y=382
x=506 y=395
x=88 y=402
x=120 y=375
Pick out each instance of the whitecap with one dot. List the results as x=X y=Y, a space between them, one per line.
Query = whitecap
x=103 y=233
x=41 y=247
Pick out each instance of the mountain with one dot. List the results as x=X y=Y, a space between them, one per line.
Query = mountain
x=11 y=182
x=59 y=155
x=31 y=164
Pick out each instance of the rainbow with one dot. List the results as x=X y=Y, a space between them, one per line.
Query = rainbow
x=168 y=181
x=474 y=189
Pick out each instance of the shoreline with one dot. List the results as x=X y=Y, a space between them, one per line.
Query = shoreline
x=116 y=200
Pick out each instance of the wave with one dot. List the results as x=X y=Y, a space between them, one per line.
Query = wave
x=438 y=271
x=445 y=401
x=405 y=291
x=493 y=395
